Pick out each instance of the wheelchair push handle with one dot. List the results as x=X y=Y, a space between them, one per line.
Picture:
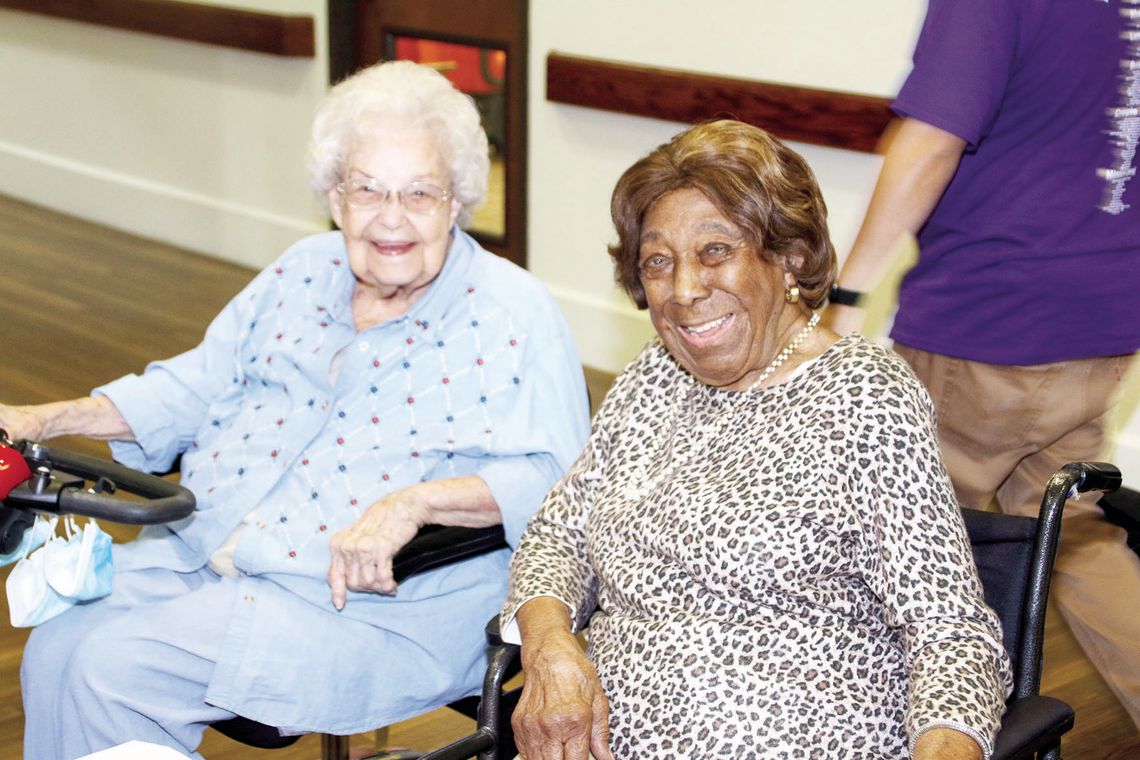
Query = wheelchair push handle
x=1072 y=479
x=47 y=491
x=1093 y=476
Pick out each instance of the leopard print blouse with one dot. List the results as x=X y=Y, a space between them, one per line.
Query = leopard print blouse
x=781 y=573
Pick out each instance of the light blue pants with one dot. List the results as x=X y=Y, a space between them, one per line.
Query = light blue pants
x=133 y=665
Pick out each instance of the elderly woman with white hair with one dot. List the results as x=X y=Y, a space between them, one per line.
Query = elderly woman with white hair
x=371 y=381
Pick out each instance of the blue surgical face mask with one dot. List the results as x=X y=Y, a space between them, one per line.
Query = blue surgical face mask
x=31 y=600
x=59 y=574
x=34 y=538
x=82 y=568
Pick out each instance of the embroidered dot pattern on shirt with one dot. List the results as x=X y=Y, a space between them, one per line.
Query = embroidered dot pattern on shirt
x=397 y=415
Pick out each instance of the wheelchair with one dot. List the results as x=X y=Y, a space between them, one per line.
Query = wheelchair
x=65 y=482
x=1014 y=556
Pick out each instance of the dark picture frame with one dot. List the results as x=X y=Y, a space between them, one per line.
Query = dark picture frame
x=362 y=32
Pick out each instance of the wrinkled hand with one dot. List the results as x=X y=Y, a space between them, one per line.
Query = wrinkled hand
x=22 y=422
x=563 y=713
x=362 y=553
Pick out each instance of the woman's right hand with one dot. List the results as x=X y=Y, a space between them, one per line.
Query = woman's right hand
x=22 y=422
x=563 y=713
x=91 y=416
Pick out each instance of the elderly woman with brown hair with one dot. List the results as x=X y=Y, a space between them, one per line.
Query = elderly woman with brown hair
x=761 y=518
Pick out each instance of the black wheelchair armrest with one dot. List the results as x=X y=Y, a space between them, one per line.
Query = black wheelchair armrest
x=1122 y=509
x=493 y=632
x=1030 y=725
x=436 y=545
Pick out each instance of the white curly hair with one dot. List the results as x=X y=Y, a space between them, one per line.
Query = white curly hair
x=417 y=96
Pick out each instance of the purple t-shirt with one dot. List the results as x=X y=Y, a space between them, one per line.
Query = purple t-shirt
x=1033 y=253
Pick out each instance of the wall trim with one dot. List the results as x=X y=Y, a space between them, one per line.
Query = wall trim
x=256 y=31
x=821 y=117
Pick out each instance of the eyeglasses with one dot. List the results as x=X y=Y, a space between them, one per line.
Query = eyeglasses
x=415 y=197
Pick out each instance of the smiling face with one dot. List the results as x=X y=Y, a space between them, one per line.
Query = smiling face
x=717 y=305
x=394 y=254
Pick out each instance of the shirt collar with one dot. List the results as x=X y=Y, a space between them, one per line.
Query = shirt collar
x=448 y=285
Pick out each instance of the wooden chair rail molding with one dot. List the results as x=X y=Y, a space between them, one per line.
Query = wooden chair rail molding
x=822 y=117
x=273 y=33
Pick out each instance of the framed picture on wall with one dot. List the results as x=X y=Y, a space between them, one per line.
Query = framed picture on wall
x=480 y=46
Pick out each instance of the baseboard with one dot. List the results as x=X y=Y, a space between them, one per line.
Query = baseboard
x=608 y=336
x=213 y=226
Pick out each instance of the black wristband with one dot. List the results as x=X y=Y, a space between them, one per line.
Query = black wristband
x=844 y=297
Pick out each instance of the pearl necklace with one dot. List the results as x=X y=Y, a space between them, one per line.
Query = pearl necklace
x=778 y=362
x=641 y=484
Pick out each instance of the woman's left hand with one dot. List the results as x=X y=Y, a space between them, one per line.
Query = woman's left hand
x=362 y=553
x=563 y=713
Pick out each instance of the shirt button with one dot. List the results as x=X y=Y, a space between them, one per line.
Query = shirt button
x=248 y=599
x=362 y=346
x=324 y=405
x=260 y=524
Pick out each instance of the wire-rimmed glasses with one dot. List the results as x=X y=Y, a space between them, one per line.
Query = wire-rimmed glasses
x=416 y=197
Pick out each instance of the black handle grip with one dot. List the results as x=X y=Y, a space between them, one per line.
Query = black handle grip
x=165 y=501
x=1097 y=476
x=153 y=511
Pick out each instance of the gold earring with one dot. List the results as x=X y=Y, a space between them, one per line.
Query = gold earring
x=792 y=294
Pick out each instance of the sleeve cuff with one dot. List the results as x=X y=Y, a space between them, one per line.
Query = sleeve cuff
x=519 y=485
x=509 y=624
x=983 y=742
x=156 y=440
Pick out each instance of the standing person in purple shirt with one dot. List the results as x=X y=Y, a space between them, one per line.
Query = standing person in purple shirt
x=1014 y=165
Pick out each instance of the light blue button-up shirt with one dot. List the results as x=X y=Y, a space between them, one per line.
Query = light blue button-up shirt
x=479 y=377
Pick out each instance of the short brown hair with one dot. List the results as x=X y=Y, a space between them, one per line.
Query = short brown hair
x=753 y=179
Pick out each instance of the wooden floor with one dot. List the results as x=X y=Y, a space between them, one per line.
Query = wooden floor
x=81 y=304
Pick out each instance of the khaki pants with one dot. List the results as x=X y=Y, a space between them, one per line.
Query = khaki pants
x=1004 y=431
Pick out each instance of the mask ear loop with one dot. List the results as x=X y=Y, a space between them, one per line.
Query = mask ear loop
x=86 y=550
x=54 y=522
x=88 y=532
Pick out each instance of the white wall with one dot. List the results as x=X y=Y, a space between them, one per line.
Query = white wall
x=192 y=144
